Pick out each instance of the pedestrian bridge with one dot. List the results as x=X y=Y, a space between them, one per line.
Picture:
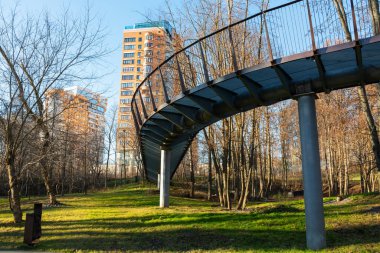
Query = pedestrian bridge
x=293 y=51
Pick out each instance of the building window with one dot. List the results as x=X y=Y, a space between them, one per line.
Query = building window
x=149 y=44
x=139 y=54
x=123 y=125
x=147 y=99
x=149 y=37
x=148 y=52
x=129 y=39
x=129 y=55
x=126 y=92
x=125 y=117
x=129 y=47
x=128 y=69
x=140 y=39
x=137 y=84
x=138 y=77
x=149 y=60
x=138 y=69
x=148 y=69
x=125 y=100
x=128 y=61
x=139 y=46
x=126 y=85
x=138 y=61
x=156 y=100
x=125 y=109
x=127 y=77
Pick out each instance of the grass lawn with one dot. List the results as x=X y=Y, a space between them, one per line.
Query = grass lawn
x=128 y=219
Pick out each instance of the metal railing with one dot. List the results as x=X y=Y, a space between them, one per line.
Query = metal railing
x=292 y=28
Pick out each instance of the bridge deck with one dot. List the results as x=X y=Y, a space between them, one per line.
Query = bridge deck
x=175 y=124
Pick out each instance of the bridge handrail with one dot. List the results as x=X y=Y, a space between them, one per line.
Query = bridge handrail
x=204 y=38
x=139 y=114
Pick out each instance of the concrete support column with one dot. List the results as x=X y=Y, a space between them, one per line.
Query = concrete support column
x=311 y=170
x=165 y=177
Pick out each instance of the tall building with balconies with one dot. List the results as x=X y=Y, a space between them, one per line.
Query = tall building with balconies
x=79 y=113
x=145 y=46
x=79 y=109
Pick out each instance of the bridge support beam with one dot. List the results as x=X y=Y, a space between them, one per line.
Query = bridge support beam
x=311 y=170
x=165 y=177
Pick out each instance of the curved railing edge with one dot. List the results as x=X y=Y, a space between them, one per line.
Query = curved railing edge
x=205 y=37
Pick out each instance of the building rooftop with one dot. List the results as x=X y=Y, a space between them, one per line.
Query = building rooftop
x=157 y=24
x=93 y=97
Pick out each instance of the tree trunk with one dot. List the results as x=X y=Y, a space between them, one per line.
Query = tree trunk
x=371 y=125
x=374 y=9
x=209 y=181
x=192 y=178
x=115 y=178
x=48 y=184
x=45 y=163
x=85 y=169
x=14 y=189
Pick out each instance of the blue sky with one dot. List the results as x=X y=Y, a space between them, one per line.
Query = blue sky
x=115 y=14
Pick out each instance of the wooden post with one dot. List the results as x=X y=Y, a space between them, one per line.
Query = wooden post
x=28 y=232
x=37 y=221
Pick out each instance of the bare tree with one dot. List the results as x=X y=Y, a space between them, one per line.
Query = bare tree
x=110 y=137
x=374 y=7
x=51 y=53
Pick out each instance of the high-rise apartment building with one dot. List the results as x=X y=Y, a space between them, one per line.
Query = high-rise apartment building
x=79 y=109
x=145 y=46
x=80 y=113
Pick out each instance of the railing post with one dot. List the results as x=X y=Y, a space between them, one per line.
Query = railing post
x=233 y=55
x=167 y=100
x=138 y=113
x=356 y=34
x=142 y=105
x=311 y=26
x=137 y=125
x=191 y=70
x=205 y=71
x=151 y=95
x=181 y=81
x=268 y=39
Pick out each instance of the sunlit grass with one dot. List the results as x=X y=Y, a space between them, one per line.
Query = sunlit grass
x=128 y=219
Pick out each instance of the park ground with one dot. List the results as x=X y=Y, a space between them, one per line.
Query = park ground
x=128 y=219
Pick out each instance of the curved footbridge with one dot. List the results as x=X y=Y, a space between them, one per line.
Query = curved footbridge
x=292 y=51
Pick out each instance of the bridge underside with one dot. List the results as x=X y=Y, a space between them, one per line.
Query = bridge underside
x=175 y=124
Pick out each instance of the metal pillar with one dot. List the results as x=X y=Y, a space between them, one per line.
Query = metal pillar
x=311 y=170
x=158 y=181
x=165 y=177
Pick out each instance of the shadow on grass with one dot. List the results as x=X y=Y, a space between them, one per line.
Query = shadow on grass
x=200 y=239
x=274 y=228
x=208 y=220
x=282 y=209
x=185 y=232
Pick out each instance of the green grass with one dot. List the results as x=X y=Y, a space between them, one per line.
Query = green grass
x=128 y=219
